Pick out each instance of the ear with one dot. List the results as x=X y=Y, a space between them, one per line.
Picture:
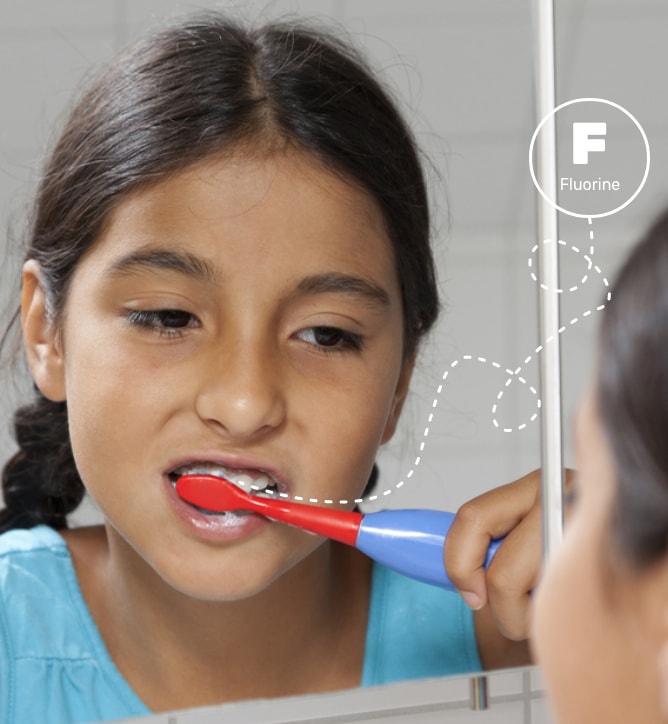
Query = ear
x=41 y=337
x=399 y=398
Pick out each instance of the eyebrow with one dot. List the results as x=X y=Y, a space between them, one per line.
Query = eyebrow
x=200 y=269
x=338 y=283
x=181 y=262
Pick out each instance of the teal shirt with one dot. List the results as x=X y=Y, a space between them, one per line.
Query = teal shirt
x=54 y=666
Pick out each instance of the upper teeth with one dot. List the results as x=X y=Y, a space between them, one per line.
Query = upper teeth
x=254 y=483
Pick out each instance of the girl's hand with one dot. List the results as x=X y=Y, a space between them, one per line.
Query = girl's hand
x=500 y=596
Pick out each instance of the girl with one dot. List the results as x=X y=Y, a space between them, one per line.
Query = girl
x=601 y=617
x=229 y=271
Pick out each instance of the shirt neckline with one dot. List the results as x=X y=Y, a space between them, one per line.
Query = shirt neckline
x=120 y=684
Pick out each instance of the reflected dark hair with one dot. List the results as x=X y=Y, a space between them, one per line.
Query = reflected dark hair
x=632 y=397
x=207 y=86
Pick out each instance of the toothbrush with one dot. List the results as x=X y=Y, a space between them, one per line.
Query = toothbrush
x=407 y=541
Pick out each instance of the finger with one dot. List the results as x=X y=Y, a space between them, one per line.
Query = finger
x=488 y=516
x=513 y=575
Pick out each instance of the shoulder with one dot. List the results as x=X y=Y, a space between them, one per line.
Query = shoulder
x=32 y=563
x=22 y=550
x=417 y=630
x=41 y=605
x=34 y=584
x=43 y=554
x=53 y=664
x=27 y=540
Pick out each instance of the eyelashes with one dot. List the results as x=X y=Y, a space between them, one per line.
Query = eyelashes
x=331 y=339
x=173 y=323
x=165 y=322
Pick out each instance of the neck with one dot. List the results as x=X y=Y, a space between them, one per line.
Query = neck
x=304 y=633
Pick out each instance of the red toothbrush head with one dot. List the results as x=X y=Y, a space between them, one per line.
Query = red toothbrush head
x=218 y=494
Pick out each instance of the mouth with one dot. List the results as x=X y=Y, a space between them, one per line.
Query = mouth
x=255 y=482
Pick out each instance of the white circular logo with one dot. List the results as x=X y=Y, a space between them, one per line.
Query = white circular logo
x=602 y=157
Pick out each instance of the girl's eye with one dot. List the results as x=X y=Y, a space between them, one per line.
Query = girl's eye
x=169 y=322
x=331 y=338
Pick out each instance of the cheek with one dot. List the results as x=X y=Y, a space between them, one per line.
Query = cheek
x=345 y=427
x=114 y=407
x=570 y=601
x=575 y=634
x=555 y=609
x=559 y=633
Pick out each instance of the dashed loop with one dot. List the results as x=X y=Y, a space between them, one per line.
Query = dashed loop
x=439 y=389
x=586 y=257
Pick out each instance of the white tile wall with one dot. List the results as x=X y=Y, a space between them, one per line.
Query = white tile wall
x=465 y=75
x=29 y=15
x=51 y=64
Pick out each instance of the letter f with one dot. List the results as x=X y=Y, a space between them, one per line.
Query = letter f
x=583 y=143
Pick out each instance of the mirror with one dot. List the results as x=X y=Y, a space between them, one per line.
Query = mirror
x=514 y=695
x=463 y=72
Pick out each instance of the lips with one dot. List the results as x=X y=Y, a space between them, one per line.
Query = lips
x=218 y=526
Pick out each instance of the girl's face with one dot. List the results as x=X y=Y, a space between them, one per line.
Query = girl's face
x=243 y=316
x=598 y=626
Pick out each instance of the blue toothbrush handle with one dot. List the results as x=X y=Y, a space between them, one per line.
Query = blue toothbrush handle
x=411 y=542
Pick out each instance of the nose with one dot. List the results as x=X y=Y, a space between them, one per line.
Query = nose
x=241 y=393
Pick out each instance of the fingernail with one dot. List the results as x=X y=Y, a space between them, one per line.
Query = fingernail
x=472 y=599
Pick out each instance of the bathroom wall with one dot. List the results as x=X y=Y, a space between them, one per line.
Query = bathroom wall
x=464 y=73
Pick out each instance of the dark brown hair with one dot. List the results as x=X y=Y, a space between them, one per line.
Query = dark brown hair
x=632 y=396
x=202 y=87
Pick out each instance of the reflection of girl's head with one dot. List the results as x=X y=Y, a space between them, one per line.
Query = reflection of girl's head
x=205 y=88
x=632 y=397
x=601 y=611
